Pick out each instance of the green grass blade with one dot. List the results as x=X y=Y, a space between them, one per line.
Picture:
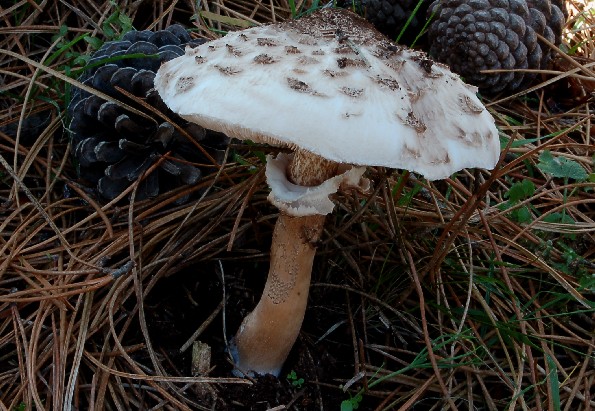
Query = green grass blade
x=554 y=383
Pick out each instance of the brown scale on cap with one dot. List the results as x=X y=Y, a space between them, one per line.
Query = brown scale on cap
x=390 y=83
x=264 y=59
x=298 y=85
x=395 y=64
x=233 y=51
x=412 y=121
x=344 y=49
x=411 y=152
x=469 y=106
x=228 y=70
x=335 y=73
x=425 y=64
x=292 y=50
x=266 y=42
x=307 y=60
x=184 y=83
x=345 y=62
x=352 y=92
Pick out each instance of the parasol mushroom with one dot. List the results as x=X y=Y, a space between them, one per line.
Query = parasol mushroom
x=343 y=97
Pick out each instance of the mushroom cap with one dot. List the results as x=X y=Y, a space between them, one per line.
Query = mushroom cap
x=331 y=84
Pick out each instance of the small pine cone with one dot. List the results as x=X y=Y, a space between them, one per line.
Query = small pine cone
x=112 y=146
x=390 y=16
x=475 y=35
x=31 y=127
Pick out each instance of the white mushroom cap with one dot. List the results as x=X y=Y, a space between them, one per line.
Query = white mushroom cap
x=331 y=84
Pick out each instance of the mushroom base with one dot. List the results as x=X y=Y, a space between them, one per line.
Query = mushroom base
x=267 y=334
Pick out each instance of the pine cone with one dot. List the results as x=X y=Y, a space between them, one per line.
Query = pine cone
x=31 y=127
x=112 y=146
x=390 y=16
x=474 y=35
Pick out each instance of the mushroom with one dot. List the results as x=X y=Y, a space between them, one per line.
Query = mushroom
x=342 y=96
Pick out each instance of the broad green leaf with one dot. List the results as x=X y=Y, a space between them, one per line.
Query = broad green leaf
x=346 y=405
x=522 y=214
x=559 y=218
x=93 y=41
x=126 y=22
x=520 y=191
x=108 y=31
x=561 y=167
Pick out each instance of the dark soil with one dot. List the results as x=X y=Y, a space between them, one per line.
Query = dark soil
x=181 y=303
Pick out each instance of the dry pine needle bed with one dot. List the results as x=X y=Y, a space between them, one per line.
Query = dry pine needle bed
x=472 y=292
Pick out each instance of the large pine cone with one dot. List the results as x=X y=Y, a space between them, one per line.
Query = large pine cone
x=390 y=16
x=474 y=35
x=113 y=147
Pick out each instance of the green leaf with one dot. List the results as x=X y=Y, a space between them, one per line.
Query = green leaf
x=520 y=191
x=522 y=214
x=108 y=31
x=93 y=41
x=587 y=282
x=81 y=60
x=126 y=22
x=561 y=167
x=559 y=218
x=356 y=401
x=62 y=32
x=346 y=405
x=352 y=403
x=505 y=205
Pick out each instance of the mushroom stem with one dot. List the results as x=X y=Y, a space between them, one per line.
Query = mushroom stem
x=267 y=334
